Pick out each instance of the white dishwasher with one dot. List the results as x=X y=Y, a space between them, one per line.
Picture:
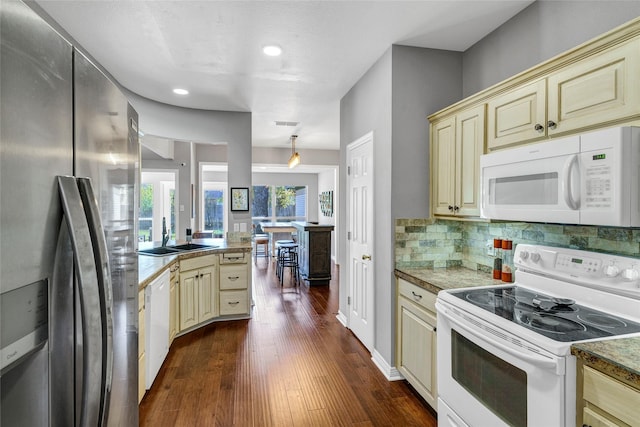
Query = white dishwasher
x=156 y=312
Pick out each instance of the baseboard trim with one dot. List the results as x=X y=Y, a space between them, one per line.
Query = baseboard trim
x=390 y=372
x=342 y=318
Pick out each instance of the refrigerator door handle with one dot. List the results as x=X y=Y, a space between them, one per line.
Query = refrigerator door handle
x=89 y=296
x=101 y=257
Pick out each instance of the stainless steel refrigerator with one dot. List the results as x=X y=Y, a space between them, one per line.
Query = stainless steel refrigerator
x=68 y=266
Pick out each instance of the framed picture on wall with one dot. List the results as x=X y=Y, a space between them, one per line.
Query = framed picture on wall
x=239 y=199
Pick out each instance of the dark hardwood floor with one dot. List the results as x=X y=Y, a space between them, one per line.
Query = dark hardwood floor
x=292 y=364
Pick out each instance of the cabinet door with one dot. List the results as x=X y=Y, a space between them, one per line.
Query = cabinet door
x=597 y=90
x=470 y=137
x=417 y=348
x=188 y=299
x=207 y=293
x=443 y=165
x=517 y=116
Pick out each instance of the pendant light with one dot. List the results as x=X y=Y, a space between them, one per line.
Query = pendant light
x=294 y=160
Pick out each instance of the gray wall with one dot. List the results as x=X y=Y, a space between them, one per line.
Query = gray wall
x=538 y=33
x=393 y=99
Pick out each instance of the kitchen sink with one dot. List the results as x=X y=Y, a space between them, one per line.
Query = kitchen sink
x=161 y=251
x=191 y=247
x=174 y=249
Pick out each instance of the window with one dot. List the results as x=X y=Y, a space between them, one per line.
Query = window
x=145 y=220
x=279 y=203
x=157 y=201
x=213 y=208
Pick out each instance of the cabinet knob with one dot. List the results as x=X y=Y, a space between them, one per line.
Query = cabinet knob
x=456 y=208
x=551 y=124
x=450 y=207
x=366 y=257
x=539 y=127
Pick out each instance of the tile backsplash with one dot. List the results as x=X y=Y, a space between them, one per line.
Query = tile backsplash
x=426 y=243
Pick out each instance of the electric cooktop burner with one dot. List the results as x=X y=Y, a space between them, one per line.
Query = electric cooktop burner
x=557 y=318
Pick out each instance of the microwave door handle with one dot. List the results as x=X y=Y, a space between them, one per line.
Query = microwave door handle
x=540 y=361
x=567 y=182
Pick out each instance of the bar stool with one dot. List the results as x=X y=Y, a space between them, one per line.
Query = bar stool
x=260 y=240
x=288 y=257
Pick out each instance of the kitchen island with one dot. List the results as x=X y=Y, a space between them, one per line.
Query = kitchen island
x=314 y=251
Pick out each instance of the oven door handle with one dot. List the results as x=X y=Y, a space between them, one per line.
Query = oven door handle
x=539 y=361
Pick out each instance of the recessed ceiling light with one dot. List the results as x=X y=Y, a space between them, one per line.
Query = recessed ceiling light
x=272 y=50
x=179 y=91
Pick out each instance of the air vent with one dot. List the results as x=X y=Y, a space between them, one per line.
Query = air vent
x=289 y=124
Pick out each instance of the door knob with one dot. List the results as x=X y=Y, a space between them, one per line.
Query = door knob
x=366 y=257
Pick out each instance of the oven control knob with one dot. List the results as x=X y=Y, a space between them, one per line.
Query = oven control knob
x=630 y=274
x=611 y=270
x=535 y=256
x=524 y=255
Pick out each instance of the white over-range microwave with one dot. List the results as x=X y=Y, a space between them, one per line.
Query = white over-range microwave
x=593 y=178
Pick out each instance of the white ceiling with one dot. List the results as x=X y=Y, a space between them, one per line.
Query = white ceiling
x=214 y=49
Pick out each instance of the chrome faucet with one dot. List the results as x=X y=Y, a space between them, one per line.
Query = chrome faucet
x=165 y=235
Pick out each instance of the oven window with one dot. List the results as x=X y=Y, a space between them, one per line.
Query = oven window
x=499 y=386
x=536 y=189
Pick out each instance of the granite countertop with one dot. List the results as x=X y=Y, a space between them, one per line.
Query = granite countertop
x=619 y=357
x=436 y=279
x=150 y=267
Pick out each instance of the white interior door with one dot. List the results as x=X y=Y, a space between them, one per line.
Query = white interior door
x=360 y=239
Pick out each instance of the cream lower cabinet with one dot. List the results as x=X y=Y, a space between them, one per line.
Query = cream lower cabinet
x=198 y=290
x=141 y=344
x=607 y=402
x=416 y=339
x=457 y=143
x=235 y=274
x=174 y=302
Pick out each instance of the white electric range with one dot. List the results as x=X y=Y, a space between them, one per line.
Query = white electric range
x=504 y=351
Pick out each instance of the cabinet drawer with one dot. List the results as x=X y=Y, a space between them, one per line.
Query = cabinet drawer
x=612 y=396
x=417 y=294
x=234 y=302
x=233 y=277
x=234 y=258
x=198 y=262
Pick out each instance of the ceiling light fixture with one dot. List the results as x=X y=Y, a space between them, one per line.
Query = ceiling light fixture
x=272 y=50
x=179 y=91
x=294 y=160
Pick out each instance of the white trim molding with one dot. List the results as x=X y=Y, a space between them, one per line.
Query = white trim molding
x=390 y=372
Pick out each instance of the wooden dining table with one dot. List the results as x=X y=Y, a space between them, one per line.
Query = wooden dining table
x=274 y=228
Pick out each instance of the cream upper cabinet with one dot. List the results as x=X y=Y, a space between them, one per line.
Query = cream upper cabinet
x=598 y=90
x=443 y=165
x=517 y=116
x=602 y=88
x=457 y=144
